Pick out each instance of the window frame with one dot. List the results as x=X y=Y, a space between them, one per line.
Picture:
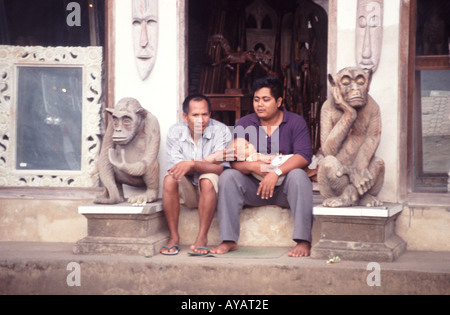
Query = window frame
x=409 y=64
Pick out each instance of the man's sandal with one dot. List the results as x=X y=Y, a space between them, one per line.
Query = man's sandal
x=200 y=254
x=169 y=253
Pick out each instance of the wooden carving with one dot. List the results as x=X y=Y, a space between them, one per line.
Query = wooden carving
x=241 y=57
x=350 y=174
x=145 y=35
x=369 y=33
x=129 y=154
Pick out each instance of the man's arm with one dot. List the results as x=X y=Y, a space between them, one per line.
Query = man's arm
x=296 y=161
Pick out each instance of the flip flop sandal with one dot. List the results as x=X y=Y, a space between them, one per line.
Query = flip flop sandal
x=200 y=254
x=169 y=248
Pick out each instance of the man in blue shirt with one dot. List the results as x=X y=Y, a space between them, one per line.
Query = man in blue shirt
x=192 y=179
x=272 y=130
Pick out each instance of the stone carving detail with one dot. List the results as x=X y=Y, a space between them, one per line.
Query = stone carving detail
x=145 y=35
x=350 y=174
x=90 y=60
x=369 y=33
x=129 y=153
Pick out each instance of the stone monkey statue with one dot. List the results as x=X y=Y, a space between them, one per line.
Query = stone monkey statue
x=129 y=153
x=350 y=174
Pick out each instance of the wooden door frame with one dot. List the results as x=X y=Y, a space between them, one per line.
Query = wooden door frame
x=407 y=192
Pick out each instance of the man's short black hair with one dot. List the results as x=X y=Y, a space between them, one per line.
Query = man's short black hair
x=271 y=82
x=196 y=98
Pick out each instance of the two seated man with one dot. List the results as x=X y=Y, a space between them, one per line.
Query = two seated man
x=204 y=174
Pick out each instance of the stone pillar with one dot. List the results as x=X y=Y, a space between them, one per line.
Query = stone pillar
x=358 y=233
x=123 y=229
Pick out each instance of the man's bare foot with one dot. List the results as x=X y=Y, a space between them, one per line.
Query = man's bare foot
x=224 y=247
x=302 y=249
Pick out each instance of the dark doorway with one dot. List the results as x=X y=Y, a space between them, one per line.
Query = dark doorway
x=285 y=38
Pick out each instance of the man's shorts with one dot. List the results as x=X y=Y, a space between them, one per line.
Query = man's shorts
x=189 y=193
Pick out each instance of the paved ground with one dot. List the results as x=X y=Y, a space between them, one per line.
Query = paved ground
x=44 y=268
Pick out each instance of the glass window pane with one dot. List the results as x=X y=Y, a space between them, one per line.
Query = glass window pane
x=435 y=85
x=433 y=27
x=49 y=118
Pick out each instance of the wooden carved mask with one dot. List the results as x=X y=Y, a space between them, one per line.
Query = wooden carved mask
x=145 y=35
x=369 y=33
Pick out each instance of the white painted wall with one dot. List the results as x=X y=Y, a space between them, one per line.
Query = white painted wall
x=384 y=87
x=160 y=92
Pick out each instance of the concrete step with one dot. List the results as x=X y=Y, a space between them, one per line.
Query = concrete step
x=52 y=268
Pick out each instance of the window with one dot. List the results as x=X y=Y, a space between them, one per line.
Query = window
x=44 y=22
x=431 y=100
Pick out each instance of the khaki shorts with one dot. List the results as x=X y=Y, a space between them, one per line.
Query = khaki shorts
x=189 y=194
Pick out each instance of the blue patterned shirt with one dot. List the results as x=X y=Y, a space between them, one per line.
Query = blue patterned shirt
x=181 y=147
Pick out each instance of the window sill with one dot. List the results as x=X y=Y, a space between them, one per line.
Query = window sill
x=416 y=199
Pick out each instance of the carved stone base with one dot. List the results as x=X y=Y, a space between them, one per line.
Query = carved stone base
x=123 y=229
x=358 y=233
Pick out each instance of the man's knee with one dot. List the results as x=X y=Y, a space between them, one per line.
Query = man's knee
x=228 y=176
x=209 y=181
x=206 y=186
x=170 y=184
x=298 y=178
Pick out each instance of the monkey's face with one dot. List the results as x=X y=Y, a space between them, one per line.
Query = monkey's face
x=353 y=85
x=126 y=126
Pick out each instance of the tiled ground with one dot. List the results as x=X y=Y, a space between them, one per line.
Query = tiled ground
x=436 y=116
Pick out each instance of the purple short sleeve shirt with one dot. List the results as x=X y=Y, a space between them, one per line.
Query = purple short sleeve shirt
x=292 y=136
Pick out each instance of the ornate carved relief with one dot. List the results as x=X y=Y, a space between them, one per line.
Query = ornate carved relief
x=369 y=33
x=42 y=61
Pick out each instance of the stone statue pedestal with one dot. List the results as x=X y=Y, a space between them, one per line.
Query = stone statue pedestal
x=358 y=233
x=123 y=229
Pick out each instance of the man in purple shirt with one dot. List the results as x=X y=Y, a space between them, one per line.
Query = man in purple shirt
x=272 y=130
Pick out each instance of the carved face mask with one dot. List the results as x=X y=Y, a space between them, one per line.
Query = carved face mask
x=369 y=33
x=145 y=35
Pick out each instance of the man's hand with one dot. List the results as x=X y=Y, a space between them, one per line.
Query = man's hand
x=181 y=169
x=262 y=168
x=267 y=185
